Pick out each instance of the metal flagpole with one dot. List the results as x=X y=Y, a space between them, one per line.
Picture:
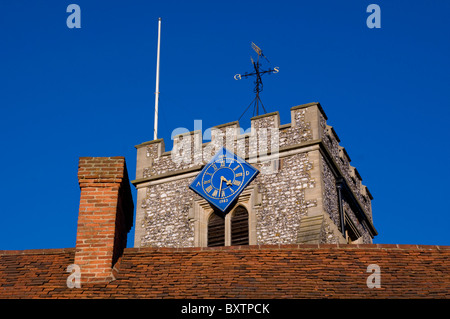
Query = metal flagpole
x=155 y=132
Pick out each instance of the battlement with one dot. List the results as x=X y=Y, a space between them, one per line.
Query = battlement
x=299 y=130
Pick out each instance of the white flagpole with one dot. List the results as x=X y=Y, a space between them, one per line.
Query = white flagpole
x=155 y=133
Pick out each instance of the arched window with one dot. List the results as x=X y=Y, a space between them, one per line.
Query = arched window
x=239 y=226
x=242 y=215
x=216 y=230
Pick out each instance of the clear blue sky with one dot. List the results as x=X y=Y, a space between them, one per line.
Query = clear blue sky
x=66 y=93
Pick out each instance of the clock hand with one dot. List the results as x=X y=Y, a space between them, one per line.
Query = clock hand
x=220 y=188
x=223 y=179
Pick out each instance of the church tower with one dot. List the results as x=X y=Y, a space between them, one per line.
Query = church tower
x=304 y=189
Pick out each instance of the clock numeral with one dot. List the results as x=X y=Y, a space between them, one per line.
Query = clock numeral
x=236 y=168
x=223 y=194
x=214 y=194
x=198 y=184
x=208 y=174
x=214 y=166
x=209 y=188
x=237 y=183
x=222 y=164
x=238 y=174
x=206 y=182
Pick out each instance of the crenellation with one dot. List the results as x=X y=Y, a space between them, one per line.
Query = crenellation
x=332 y=142
x=344 y=155
x=298 y=131
x=353 y=178
x=243 y=145
x=218 y=140
x=366 y=200
x=342 y=160
x=147 y=153
x=226 y=134
x=269 y=120
x=357 y=179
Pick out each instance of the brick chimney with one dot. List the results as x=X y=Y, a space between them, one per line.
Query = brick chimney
x=105 y=216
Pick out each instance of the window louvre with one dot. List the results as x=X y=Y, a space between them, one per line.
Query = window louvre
x=239 y=227
x=216 y=230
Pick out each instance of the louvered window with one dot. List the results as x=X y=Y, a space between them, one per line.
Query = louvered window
x=216 y=230
x=239 y=227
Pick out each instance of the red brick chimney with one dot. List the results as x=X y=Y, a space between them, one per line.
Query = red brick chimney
x=105 y=216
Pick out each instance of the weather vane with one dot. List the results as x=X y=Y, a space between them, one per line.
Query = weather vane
x=258 y=81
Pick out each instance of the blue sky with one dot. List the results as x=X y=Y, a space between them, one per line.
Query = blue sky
x=67 y=93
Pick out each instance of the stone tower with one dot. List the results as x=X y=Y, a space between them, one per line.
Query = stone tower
x=306 y=191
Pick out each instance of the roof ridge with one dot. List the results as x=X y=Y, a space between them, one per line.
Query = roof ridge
x=290 y=246
x=46 y=251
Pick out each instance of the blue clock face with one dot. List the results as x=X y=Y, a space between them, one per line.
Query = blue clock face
x=223 y=179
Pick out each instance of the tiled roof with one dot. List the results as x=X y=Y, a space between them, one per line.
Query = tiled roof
x=286 y=271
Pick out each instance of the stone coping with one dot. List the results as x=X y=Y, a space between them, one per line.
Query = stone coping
x=131 y=250
x=290 y=247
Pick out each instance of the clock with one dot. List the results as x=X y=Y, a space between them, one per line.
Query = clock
x=222 y=180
